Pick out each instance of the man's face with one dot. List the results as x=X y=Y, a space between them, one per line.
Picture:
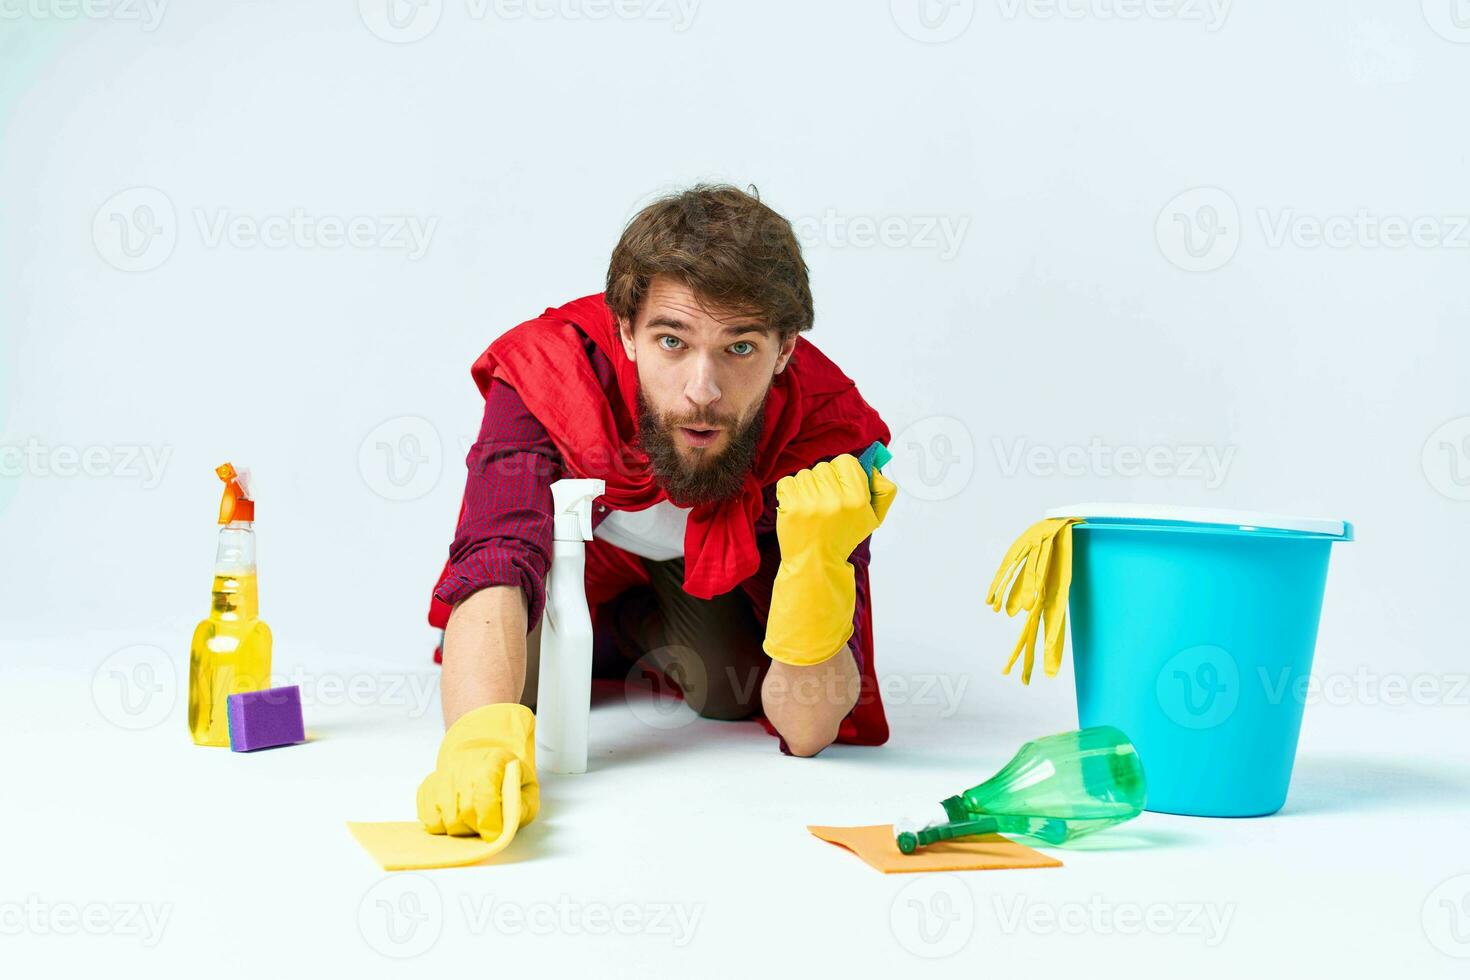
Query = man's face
x=703 y=375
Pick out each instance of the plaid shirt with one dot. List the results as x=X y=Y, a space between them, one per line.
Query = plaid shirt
x=505 y=533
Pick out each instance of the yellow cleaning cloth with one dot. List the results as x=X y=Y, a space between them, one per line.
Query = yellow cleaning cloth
x=876 y=846
x=1038 y=568
x=404 y=845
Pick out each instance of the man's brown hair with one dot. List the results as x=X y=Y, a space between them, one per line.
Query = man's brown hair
x=732 y=251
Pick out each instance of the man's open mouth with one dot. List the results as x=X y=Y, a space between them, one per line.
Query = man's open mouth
x=699 y=435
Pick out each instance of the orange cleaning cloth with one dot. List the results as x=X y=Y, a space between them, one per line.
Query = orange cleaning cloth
x=876 y=846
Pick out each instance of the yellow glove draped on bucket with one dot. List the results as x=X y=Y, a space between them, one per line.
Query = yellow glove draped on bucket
x=1038 y=568
x=823 y=513
x=482 y=790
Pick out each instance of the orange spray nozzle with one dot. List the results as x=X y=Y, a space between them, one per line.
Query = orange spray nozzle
x=236 y=504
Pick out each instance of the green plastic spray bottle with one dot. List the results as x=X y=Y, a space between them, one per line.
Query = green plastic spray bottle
x=1056 y=789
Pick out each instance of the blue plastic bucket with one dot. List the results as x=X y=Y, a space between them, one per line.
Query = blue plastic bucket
x=1193 y=632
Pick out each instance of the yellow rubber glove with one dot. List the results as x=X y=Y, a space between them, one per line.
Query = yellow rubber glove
x=1038 y=568
x=463 y=796
x=822 y=514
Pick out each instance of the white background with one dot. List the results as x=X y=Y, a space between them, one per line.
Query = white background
x=1129 y=194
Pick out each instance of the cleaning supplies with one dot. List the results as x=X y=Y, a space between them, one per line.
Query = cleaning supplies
x=564 y=684
x=266 y=719
x=482 y=790
x=484 y=782
x=1194 y=631
x=1038 y=568
x=1055 y=789
x=824 y=512
x=231 y=649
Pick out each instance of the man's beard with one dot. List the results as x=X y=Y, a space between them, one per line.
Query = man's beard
x=707 y=479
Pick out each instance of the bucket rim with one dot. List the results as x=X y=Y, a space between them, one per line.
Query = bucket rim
x=1132 y=516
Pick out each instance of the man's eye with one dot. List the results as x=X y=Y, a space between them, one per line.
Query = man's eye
x=749 y=348
x=673 y=342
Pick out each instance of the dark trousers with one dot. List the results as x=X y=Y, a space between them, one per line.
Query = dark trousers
x=710 y=648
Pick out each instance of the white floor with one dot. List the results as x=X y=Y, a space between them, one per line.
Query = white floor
x=684 y=852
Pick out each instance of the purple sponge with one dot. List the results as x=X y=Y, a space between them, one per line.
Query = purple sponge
x=265 y=719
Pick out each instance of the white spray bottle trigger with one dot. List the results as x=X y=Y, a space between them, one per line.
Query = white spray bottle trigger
x=572 y=506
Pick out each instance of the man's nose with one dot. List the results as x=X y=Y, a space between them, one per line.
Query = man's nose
x=702 y=388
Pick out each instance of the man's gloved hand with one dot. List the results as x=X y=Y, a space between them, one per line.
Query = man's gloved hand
x=823 y=513
x=485 y=780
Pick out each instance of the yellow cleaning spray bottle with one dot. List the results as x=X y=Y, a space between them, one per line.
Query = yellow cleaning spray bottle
x=231 y=650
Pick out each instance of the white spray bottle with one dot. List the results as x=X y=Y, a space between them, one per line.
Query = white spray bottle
x=564 y=686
